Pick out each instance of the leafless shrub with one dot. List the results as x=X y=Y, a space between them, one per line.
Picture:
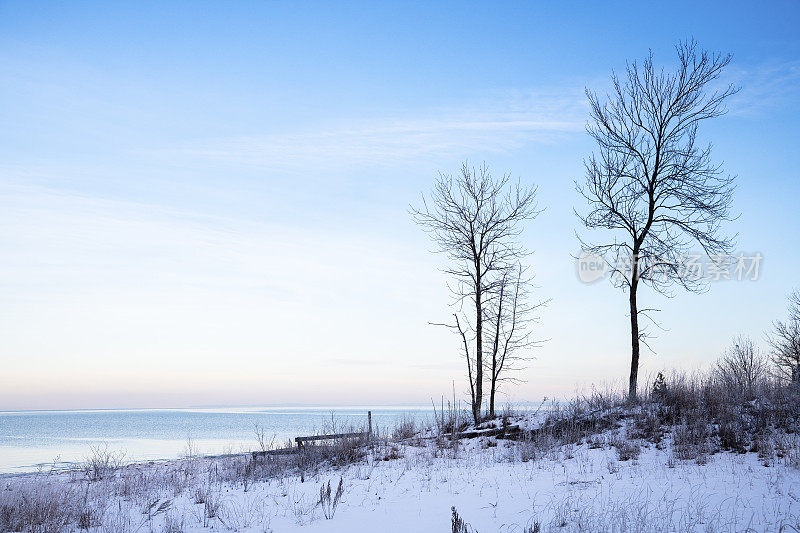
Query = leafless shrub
x=528 y=448
x=536 y=527
x=606 y=400
x=119 y=521
x=179 y=479
x=173 y=523
x=627 y=449
x=340 y=452
x=742 y=368
x=457 y=523
x=190 y=450
x=690 y=440
x=39 y=508
x=582 y=511
x=733 y=435
x=239 y=515
x=449 y=420
x=391 y=453
x=573 y=423
x=155 y=507
x=89 y=516
x=562 y=513
x=705 y=413
x=211 y=507
x=264 y=443
x=406 y=428
x=659 y=389
x=102 y=462
x=765 y=447
x=792 y=455
x=647 y=423
x=785 y=342
x=509 y=412
x=200 y=495
x=329 y=500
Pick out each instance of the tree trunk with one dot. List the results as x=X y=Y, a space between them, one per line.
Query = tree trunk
x=634 y=332
x=493 y=375
x=477 y=400
x=491 y=396
x=495 y=372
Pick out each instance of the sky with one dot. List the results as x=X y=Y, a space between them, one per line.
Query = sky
x=207 y=203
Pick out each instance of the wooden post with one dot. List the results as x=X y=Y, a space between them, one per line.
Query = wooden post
x=369 y=420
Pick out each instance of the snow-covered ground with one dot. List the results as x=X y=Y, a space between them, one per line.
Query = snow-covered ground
x=579 y=488
x=496 y=485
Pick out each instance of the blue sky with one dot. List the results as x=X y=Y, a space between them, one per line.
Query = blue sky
x=207 y=203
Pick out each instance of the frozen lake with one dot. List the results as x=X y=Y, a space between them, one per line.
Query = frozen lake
x=33 y=440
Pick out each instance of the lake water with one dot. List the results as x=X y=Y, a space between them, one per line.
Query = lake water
x=41 y=440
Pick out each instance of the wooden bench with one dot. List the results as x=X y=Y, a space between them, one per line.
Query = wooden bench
x=300 y=441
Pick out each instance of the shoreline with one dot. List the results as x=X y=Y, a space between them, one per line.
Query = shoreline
x=597 y=465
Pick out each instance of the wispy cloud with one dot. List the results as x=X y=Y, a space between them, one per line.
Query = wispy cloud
x=765 y=86
x=61 y=240
x=500 y=123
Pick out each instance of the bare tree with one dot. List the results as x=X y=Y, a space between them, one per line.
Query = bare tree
x=651 y=183
x=742 y=367
x=476 y=220
x=785 y=342
x=510 y=315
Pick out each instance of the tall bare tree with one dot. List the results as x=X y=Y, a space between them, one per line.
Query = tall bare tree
x=476 y=220
x=785 y=342
x=510 y=315
x=651 y=183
